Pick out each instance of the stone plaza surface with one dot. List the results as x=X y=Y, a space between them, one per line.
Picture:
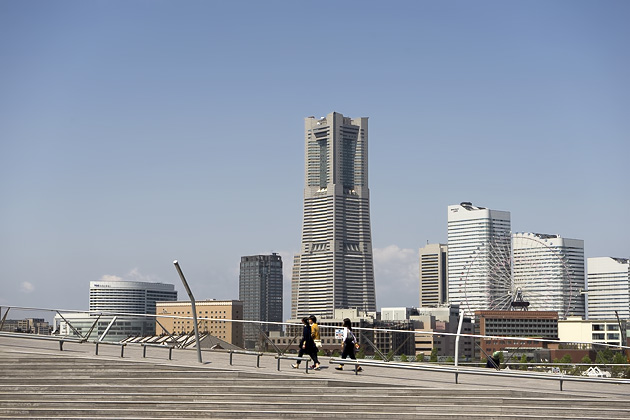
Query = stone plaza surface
x=38 y=381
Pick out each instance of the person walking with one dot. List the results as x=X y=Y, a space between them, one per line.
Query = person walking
x=349 y=344
x=312 y=320
x=307 y=345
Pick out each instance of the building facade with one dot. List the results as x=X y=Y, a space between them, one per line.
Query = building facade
x=430 y=325
x=478 y=256
x=260 y=290
x=112 y=308
x=530 y=324
x=28 y=325
x=600 y=331
x=335 y=266
x=433 y=275
x=214 y=317
x=129 y=297
x=549 y=272
x=608 y=288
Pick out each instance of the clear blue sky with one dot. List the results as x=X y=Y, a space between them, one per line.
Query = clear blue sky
x=134 y=133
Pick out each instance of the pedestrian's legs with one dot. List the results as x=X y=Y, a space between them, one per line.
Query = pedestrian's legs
x=313 y=355
x=300 y=354
x=346 y=352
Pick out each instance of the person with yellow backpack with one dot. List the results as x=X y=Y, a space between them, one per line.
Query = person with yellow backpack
x=316 y=337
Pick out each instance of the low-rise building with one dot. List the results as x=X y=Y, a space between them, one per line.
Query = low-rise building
x=176 y=317
x=439 y=324
x=27 y=325
x=102 y=327
x=600 y=331
x=530 y=324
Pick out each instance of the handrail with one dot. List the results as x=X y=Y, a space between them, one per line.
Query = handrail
x=298 y=358
x=109 y=343
x=472 y=371
x=528 y=374
x=251 y=353
x=145 y=345
x=61 y=339
x=324 y=326
x=456 y=370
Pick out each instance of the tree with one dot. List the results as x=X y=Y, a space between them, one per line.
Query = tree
x=618 y=359
x=604 y=356
x=420 y=357
x=403 y=358
x=523 y=361
x=449 y=360
x=433 y=357
x=361 y=353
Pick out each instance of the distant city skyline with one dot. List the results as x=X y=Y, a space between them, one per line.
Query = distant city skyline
x=179 y=134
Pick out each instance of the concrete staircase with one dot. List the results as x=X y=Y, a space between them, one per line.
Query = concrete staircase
x=46 y=386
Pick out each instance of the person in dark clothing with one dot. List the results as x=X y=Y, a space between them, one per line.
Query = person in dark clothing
x=494 y=361
x=307 y=345
x=349 y=344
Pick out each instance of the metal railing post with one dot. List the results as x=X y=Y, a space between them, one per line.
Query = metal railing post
x=4 y=317
x=107 y=329
x=89 y=333
x=194 y=309
x=459 y=331
x=70 y=325
x=96 y=352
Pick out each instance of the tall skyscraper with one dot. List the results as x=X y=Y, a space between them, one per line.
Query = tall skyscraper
x=260 y=289
x=433 y=275
x=549 y=270
x=608 y=287
x=477 y=240
x=335 y=266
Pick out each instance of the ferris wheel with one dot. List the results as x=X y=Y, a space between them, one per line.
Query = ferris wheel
x=520 y=272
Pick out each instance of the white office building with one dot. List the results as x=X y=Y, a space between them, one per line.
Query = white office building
x=478 y=256
x=608 y=288
x=549 y=272
x=112 y=305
